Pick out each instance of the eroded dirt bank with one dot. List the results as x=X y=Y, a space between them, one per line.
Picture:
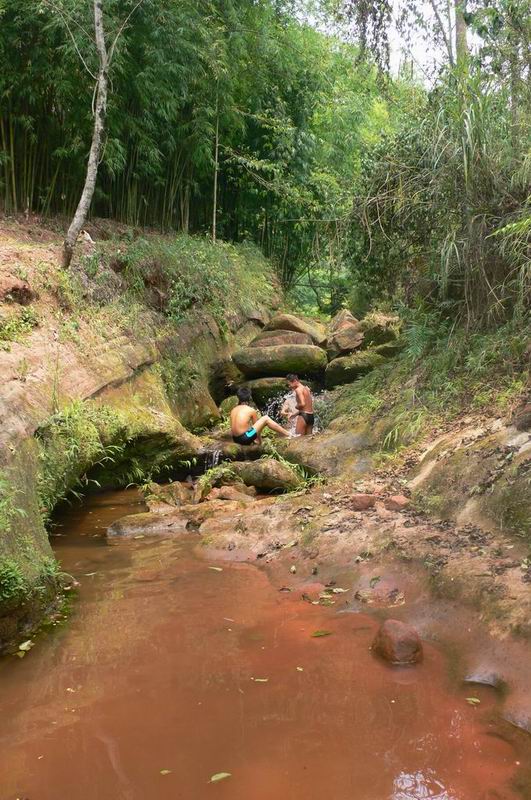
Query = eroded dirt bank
x=96 y=374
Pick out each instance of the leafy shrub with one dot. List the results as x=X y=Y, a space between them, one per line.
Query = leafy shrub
x=13 y=329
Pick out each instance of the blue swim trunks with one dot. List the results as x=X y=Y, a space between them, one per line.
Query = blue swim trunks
x=246 y=438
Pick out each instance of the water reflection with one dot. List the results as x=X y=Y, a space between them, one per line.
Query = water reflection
x=419 y=786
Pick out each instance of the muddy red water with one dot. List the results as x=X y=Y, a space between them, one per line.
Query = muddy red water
x=172 y=669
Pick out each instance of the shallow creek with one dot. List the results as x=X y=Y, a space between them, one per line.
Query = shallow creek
x=173 y=668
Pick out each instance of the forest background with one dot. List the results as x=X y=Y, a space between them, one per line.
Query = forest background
x=279 y=122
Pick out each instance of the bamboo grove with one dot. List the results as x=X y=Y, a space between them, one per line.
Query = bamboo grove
x=245 y=120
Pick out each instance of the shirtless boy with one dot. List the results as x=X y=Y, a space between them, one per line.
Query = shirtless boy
x=246 y=423
x=304 y=401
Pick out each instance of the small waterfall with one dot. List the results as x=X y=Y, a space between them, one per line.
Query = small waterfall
x=274 y=406
x=212 y=458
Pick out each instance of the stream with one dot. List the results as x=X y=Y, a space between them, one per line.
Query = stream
x=172 y=669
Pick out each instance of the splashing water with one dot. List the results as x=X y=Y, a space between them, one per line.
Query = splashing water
x=274 y=407
x=212 y=458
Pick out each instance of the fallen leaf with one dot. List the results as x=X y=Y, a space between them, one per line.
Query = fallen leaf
x=338 y=590
x=316 y=634
x=25 y=646
x=374 y=581
x=90 y=574
x=473 y=701
x=293 y=569
x=217 y=569
x=219 y=776
x=165 y=772
x=260 y=680
x=299 y=669
x=140 y=536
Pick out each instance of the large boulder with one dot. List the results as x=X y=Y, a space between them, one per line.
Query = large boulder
x=379 y=328
x=177 y=493
x=347 y=368
x=267 y=474
x=341 y=320
x=398 y=643
x=265 y=389
x=280 y=360
x=288 y=322
x=273 y=338
x=239 y=493
x=341 y=449
x=226 y=405
x=345 y=340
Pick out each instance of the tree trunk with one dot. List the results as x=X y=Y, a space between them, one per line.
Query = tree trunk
x=461 y=43
x=216 y=171
x=87 y=194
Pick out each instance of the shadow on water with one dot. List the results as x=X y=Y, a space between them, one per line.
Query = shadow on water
x=173 y=669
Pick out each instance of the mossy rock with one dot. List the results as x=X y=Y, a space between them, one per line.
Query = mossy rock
x=302 y=359
x=289 y=322
x=344 y=340
x=226 y=405
x=379 y=328
x=265 y=389
x=273 y=338
x=347 y=369
x=343 y=319
x=267 y=474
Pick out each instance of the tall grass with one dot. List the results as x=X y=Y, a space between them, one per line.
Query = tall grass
x=446 y=205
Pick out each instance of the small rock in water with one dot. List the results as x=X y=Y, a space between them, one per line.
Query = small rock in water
x=398 y=643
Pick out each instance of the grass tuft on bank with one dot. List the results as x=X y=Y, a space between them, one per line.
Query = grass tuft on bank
x=439 y=375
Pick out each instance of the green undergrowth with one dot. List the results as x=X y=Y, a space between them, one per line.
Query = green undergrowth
x=15 y=328
x=72 y=441
x=9 y=507
x=218 y=475
x=182 y=274
x=15 y=587
x=435 y=379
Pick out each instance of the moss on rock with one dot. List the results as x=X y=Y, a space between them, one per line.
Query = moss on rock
x=347 y=369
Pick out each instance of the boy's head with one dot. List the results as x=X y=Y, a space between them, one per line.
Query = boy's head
x=244 y=395
x=292 y=380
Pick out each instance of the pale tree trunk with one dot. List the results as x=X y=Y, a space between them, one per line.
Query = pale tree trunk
x=444 y=29
x=216 y=171
x=461 y=44
x=87 y=194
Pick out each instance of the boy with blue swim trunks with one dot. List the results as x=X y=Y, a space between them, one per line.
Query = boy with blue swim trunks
x=246 y=423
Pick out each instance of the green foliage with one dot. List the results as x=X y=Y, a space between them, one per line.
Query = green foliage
x=216 y=475
x=440 y=204
x=8 y=502
x=15 y=328
x=438 y=375
x=72 y=441
x=181 y=275
x=13 y=585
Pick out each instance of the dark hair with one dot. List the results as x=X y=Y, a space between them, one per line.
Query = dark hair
x=244 y=395
x=292 y=377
